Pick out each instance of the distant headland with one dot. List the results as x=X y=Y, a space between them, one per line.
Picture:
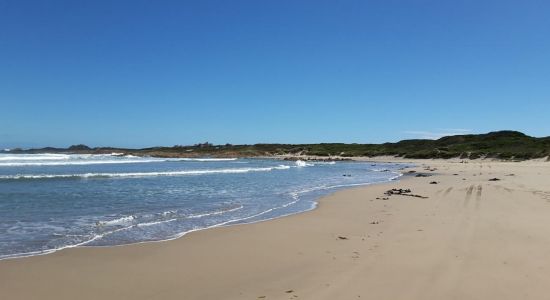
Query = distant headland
x=507 y=145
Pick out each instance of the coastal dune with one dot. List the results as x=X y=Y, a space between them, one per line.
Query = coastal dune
x=466 y=230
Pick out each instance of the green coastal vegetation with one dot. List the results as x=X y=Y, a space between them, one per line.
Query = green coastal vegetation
x=507 y=145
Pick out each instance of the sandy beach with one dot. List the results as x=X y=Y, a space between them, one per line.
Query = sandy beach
x=477 y=230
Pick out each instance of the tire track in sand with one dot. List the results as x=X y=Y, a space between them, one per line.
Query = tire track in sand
x=478 y=196
x=469 y=192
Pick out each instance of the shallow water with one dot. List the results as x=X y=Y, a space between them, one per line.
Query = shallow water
x=55 y=201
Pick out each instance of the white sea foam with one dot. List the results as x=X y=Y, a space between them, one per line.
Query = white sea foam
x=77 y=163
x=380 y=170
x=232 y=221
x=48 y=251
x=122 y=220
x=169 y=212
x=301 y=163
x=205 y=159
x=325 y=162
x=219 y=212
x=147 y=224
x=27 y=157
x=142 y=174
x=21 y=160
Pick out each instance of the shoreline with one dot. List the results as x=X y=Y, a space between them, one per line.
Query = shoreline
x=465 y=240
x=316 y=202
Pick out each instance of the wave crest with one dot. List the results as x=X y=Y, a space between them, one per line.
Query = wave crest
x=141 y=174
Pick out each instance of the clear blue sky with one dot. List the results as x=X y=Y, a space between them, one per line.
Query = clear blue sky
x=143 y=73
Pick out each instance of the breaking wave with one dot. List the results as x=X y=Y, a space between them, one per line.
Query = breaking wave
x=77 y=162
x=205 y=159
x=140 y=174
x=301 y=163
x=24 y=160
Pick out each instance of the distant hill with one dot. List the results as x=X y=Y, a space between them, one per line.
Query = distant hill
x=509 y=145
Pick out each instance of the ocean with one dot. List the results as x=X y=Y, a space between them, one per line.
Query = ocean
x=55 y=201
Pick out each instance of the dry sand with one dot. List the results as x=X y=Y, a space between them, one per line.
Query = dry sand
x=470 y=239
